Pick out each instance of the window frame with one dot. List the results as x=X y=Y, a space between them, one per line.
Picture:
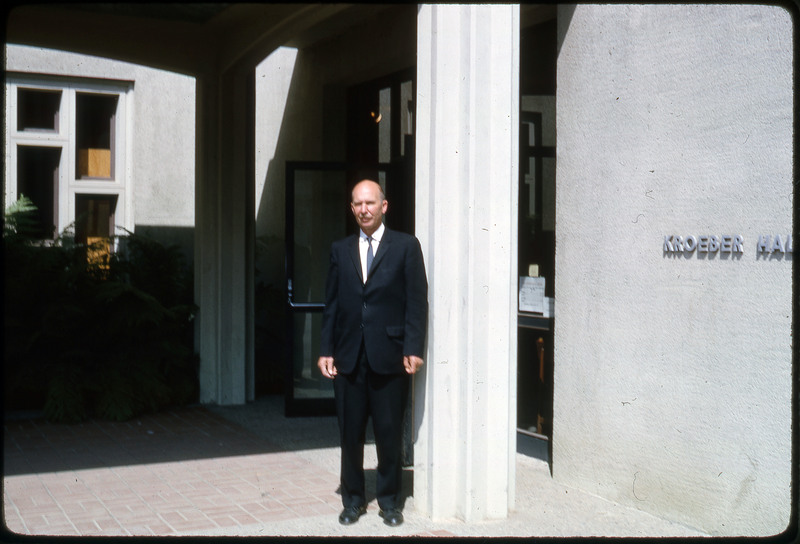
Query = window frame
x=70 y=187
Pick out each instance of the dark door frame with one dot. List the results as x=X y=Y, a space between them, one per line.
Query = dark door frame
x=300 y=406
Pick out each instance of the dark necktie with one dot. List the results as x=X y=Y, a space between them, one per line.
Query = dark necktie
x=370 y=254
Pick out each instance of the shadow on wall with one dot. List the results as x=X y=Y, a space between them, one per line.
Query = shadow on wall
x=182 y=237
x=565 y=14
x=270 y=317
x=270 y=254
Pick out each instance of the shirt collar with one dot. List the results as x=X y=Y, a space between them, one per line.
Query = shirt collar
x=377 y=235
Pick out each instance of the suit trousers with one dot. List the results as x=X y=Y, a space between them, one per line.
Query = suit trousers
x=361 y=394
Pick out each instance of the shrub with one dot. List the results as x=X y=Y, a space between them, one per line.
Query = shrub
x=84 y=338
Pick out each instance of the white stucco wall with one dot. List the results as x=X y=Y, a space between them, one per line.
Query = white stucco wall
x=673 y=373
x=161 y=129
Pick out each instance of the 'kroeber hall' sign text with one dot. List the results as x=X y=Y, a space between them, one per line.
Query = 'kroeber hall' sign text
x=726 y=243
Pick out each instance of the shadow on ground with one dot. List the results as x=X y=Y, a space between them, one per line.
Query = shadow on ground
x=33 y=445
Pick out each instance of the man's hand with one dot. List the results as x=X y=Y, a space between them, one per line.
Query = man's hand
x=412 y=363
x=325 y=365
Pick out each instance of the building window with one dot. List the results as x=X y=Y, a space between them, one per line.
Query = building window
x=95 y=122
x=94 y=225
x=67 y=152
x=38 y=109
x=37 y=178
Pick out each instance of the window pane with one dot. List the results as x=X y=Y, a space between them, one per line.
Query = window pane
x=406 y=113
x=94 y=225
x=94 y=123
x=94 y=217
x=308 y=381
x=385 y=125
x=37 y=178
x=37 y=110
x=321 y=213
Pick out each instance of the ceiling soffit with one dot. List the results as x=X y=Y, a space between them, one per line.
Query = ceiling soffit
x=186 y=38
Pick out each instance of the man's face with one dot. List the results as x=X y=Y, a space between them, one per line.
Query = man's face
x=367 y=205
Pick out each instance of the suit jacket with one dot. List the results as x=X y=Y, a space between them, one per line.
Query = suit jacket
x=389 y=312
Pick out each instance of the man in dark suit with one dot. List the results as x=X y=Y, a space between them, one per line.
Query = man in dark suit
x=373 y=339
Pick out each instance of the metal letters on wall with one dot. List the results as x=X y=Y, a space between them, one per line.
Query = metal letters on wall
x=726 y=244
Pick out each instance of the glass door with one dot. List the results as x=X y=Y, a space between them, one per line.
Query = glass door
x=317 y=213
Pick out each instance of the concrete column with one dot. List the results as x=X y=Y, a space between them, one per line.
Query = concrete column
x=466 y=203
x=224 y=238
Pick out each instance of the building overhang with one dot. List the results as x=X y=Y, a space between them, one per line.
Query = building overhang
x=191 y=39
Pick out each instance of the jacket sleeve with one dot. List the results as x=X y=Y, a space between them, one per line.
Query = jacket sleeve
x=326 y=344
x=416 y=324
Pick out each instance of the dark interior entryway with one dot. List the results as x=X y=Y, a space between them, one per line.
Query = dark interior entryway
x=380 y=141
x=537 y=227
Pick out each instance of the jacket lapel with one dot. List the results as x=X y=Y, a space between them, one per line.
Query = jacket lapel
x=383 y=248
x=355 y=257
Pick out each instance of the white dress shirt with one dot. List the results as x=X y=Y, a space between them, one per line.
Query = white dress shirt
x=363 y=247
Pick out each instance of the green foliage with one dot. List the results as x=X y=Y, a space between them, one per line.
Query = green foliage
x=20 y=218
x=66 y=396
x=110 y=339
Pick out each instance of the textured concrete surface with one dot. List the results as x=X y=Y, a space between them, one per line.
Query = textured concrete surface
x=673 y=370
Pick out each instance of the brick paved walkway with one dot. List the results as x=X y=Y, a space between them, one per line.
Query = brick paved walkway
x=187 y=471
x=248 y=471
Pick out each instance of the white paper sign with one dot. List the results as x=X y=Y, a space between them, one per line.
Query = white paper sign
x=549 y=307
x=531 y=295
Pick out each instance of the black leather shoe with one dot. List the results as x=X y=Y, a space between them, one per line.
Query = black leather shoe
x=351 y=514
x=392 y=517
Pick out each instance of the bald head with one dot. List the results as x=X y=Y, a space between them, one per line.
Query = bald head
x=368 y=184
x=368 y=205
